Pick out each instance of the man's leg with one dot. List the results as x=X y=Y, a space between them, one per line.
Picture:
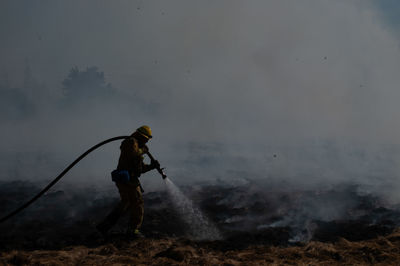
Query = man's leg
x=116 y=213
x=136 y=208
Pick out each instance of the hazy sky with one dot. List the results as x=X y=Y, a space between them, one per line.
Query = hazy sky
x=238 y=76
x=54 y=35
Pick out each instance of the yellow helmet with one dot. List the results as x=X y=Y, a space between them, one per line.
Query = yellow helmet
x=145 y=131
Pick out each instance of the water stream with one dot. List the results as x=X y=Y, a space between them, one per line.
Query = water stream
x=200 y=227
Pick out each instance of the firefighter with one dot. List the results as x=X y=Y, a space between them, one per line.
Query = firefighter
x=126 y=178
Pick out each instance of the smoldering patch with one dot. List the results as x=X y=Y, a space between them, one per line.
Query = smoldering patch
x=244 y=215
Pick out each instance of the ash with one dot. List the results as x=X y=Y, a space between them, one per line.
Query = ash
x=242 y=215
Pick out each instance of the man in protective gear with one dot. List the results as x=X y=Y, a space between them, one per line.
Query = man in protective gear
x=126 y=177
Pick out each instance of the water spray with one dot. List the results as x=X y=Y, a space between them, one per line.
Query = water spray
x=199 y=226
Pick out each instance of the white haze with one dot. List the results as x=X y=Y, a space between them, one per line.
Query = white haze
x=225 y=86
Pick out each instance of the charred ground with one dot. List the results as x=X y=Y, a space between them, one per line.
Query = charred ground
x=245 y=215
x=259 y=226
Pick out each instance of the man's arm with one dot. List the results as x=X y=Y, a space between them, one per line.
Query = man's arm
x=153 y=164
x=148 y=167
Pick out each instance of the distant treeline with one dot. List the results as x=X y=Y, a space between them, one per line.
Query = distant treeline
x=79 y=87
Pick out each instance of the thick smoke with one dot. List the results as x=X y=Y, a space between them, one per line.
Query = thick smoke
x=300 y=94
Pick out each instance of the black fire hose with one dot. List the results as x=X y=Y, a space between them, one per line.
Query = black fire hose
x=60 y=176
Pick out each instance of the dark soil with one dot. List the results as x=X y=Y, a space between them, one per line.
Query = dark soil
x=258 y=227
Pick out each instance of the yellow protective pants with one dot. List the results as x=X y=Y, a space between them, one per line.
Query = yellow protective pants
x=132 y=202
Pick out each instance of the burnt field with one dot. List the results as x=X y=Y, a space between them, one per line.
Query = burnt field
x=258 y=225
x=245 y=215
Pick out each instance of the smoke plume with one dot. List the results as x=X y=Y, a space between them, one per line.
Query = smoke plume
x=293 y=94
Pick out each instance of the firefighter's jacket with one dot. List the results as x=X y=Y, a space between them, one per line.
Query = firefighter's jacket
x=131 y=159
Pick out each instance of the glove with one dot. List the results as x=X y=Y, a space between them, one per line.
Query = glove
x=154 y=164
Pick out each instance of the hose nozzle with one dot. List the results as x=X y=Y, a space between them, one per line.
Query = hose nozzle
x=161 y=171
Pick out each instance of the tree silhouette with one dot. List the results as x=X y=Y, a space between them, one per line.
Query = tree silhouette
x=85 y=84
